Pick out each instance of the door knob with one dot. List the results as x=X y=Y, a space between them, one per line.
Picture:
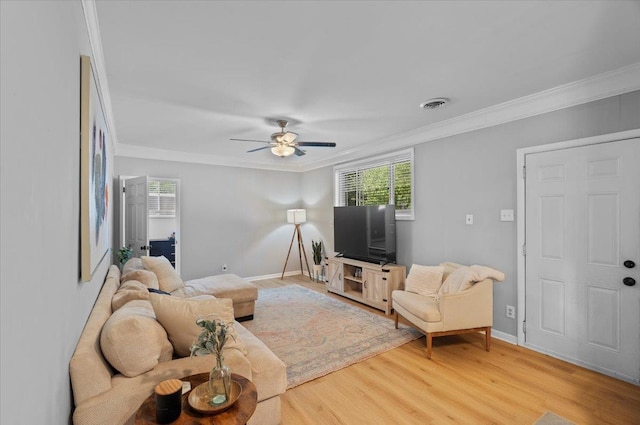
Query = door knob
x=629 y=264
x=145 y=247
x=629 y=281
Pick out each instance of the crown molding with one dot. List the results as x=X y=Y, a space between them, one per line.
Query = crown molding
x=613 y=83
x=97 y=63
x=616 y=82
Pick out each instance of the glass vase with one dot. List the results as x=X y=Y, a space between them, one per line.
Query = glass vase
x=219 y=383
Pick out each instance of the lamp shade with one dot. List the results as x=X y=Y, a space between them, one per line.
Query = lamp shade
x=296 y=216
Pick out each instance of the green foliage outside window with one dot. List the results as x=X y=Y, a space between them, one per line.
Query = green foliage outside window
x=371 y=186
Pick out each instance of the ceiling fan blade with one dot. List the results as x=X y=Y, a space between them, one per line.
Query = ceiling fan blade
x=299 y=152
x=289 y=137
x=259 y=149
x=250 y=140
x=318 y=144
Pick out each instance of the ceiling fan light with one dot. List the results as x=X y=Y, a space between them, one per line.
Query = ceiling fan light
x=282 y=150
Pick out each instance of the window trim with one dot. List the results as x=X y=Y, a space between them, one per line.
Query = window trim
x=339 y=169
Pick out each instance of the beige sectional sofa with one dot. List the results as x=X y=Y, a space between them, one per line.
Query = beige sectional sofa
x=123 y=354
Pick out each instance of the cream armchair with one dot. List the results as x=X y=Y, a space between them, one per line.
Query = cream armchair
x=463 y=302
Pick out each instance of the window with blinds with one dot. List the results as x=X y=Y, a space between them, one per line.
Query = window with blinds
x=386 y=179
x=162 y=198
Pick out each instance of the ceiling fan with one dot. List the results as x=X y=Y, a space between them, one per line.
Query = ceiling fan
x=283 y=143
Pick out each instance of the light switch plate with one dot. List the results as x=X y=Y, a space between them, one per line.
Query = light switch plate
x=506 y=215
x=469 y=219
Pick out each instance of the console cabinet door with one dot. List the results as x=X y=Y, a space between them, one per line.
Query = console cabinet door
x=335 y=276
x=374 y=286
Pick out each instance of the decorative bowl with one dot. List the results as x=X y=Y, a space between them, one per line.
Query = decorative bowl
x=199 y=398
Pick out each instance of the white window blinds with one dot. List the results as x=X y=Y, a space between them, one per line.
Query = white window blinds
x=386 y=179
x=162 y=198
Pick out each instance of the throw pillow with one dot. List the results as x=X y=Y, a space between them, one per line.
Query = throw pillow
x=132 y=341
x=146 y=277
x=132 y=264
x=488 y=273
x=168 y=279
x=129 y=291
x=179 y=315
x=449 y=268
x=424 y=280
x=460 y=279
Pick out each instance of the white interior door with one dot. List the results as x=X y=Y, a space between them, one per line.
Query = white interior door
x=136 y=223
x=582 y=225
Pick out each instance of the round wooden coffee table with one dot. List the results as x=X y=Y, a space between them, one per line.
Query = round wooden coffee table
x=238 y=414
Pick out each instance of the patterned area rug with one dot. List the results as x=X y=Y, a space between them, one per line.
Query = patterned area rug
x=314 y=334
x=550 y=418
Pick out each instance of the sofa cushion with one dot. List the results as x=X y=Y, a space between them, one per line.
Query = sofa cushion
x=132 y=341
x=460 y=279
x=179 y=315
x=132 y=264
x=424 y=280
x=168 y=279
x=423 y=307
x=129 y=291
x=146 y=277
x=222 y=286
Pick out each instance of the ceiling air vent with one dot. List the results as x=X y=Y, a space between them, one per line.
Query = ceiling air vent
x=434 y=103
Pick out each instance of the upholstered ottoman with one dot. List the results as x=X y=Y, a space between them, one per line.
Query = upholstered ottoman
x=243 y=293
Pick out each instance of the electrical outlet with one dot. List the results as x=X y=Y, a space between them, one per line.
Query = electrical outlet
x=511 y=312
x=224 y=267
x=506 y=215
x=469 y=219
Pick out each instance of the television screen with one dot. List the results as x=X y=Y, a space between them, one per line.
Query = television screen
x=366 y=233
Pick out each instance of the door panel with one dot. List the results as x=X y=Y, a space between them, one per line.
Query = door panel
x=582 y=222
x=137 y=215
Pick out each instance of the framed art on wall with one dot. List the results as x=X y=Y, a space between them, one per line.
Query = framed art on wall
x=94 y=174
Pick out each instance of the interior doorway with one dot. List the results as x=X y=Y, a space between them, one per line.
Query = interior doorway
x=150 y=216
x=579 y=229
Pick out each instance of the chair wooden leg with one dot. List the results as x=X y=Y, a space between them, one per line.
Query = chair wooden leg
x=395 y=315
x=487 y=336
x=429 y=343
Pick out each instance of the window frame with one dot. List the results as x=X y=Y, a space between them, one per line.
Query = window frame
x=379 y=160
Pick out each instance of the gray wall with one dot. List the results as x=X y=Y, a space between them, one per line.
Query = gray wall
x=44 y=306
x=229 y=215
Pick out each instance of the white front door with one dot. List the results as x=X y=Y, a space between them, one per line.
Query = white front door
x=582 y=225
x=136 y=223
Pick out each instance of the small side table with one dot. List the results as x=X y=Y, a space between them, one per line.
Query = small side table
x=238 y=414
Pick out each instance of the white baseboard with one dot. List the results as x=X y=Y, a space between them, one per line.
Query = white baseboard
x=503 y=336
x=277 y=275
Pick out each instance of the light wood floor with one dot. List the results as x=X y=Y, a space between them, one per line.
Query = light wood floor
x=462 y=384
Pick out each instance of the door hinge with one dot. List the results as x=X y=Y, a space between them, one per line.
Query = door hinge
x=524 y=171
x=524 y=249
x=524 y=327
x=124 y=189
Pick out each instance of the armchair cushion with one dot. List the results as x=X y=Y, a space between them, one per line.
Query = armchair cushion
x=425 y=308
x=424 y=280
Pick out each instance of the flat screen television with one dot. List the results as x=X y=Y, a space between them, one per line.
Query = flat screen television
x=366 y=233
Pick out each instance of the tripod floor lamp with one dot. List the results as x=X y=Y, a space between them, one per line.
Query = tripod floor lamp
x=297 y=217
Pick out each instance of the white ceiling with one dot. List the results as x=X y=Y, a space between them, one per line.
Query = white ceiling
x=186 y=76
